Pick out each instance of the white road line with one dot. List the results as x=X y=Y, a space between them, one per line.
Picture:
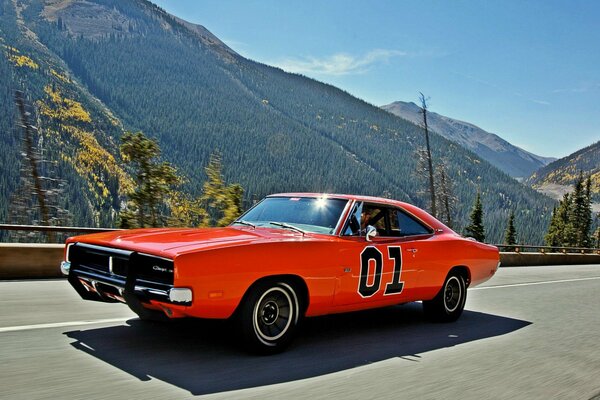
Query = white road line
x=61 y=324
x=537 y=283
x=112 y=320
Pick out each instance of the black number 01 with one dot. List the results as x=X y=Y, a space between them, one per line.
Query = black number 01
x=372 y=253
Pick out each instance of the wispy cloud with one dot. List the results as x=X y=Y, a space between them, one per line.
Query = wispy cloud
x=581 y=88
x=338 y=64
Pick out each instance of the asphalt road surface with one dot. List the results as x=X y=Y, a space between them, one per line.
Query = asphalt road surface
x=529 y=333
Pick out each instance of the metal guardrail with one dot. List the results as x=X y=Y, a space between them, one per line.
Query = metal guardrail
x=41 y=228
x=526 y=248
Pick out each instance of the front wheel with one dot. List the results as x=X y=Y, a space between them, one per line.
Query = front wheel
x=448 y=304
x=269 y=316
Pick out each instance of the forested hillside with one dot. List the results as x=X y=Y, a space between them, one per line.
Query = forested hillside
x=128 y=62
x=76 y=138
x=565 y=171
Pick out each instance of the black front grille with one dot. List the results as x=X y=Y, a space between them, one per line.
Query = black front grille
x=90 y=258
x=118 y=264
x=154 y=269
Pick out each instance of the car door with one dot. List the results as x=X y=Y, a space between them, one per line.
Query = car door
x=384 y=270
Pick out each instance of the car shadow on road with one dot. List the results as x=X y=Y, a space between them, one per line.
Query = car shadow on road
x=201 y=356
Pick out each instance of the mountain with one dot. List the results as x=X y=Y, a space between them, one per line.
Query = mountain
x=95 y=68
x=511 y=159
x=558 y=177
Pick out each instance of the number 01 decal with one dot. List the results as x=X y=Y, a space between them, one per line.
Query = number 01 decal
x=372 y=254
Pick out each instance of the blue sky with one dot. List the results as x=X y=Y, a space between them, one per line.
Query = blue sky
x=528 y=71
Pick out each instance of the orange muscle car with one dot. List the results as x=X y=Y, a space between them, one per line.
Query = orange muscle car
x=291 y=256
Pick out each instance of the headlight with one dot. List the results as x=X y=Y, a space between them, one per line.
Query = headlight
x=65 y=266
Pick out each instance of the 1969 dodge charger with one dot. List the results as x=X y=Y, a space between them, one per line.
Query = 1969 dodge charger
x=290 y=256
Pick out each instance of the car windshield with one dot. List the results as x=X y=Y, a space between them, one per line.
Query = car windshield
x=309 y=214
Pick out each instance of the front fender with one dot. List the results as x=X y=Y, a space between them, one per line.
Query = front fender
x=219 y=278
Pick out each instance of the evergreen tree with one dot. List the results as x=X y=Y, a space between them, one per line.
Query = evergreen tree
x=554 y=236
x=185 y=211
x=571 y=222
x=475 y=228
x=154 y=181
x=580 y=213
x=222 y=202
x=510 y=236
x=561 y=231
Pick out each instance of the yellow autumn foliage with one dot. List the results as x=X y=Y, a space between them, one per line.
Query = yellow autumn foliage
x=63 y=108
x=58 y=75
x=23 y=61
x=93 y=161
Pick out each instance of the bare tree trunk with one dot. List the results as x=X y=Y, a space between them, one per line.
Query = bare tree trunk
x=446 y=196
x=33 y=164
x=429 y=160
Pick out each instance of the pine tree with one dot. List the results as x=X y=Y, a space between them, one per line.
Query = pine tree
x=154 y=181
x=571 y=222
x=510 y=236
x=561 y=231
x=580 y=213
x=222 y=202
x=475 y=229
x=554 y=236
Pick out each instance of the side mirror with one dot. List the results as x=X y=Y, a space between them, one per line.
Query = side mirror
x=371 y=233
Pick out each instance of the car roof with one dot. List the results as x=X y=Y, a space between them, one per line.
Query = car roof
x=368 y=199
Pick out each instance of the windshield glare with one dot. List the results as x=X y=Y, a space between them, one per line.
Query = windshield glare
x=318 y=215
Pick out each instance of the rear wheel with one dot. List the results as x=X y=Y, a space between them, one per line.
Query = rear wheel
x=448 y=304
x=269 y=316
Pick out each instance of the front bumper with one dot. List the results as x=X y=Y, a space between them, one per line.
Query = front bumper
x=93 y=272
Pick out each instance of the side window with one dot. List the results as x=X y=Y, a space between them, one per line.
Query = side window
x=374 y=215
x=366 y=214
x=353 y=225
x=389 y=222
x=405 y=225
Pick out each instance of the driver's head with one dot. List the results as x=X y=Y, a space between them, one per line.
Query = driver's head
x=365 y=218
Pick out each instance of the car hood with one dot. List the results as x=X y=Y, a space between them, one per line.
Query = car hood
x=171 y=242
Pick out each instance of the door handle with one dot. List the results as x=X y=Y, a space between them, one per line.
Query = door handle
x=412 y=250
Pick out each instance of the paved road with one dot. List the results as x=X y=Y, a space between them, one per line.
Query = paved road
x=529 y=333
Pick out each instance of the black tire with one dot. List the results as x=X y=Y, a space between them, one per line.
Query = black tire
x=449 y=303
x=268 y=317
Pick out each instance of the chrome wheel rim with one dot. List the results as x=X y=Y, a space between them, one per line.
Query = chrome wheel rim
x=273 y=315
x=452 y=294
